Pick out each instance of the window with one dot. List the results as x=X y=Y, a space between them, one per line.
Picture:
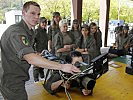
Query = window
x=18 y=18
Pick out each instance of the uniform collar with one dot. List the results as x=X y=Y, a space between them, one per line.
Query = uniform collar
x=29 y=31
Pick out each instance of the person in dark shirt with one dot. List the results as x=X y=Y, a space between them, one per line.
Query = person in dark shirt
x=53 y=30
x=41 y=43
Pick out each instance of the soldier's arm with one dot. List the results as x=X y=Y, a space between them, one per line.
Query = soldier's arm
x=39 y=61
x=24 y=51
x=49 y=45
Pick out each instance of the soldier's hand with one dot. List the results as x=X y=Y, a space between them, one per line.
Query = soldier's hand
x=69 y=68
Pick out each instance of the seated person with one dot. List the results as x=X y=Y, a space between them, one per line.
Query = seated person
x=63 y=40
x=122 y=42
x=55 y=83
x=86 y=44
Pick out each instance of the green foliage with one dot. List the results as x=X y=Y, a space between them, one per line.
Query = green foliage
x=50 y=6
x=1 y=15
x=125 y=11
x=6 y=5
x=126 y=14
x=90 y=9
x=113 y=10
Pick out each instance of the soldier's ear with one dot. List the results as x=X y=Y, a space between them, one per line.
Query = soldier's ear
x=23 y=12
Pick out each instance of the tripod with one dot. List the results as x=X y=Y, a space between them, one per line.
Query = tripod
x=129 y=69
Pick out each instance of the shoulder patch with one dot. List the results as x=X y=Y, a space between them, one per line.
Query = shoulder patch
x=24 y=40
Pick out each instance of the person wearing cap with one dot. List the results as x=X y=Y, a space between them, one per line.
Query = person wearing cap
x=40 y=43
x=63 y=40
x=53 y=30
x=75 y=30
x=86 y=44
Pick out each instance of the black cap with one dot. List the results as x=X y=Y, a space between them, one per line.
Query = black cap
x=85 y=26
x=43 y=19
x=56 y=14
x=75 y=21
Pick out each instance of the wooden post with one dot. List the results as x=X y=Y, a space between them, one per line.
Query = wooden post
x=76 y=10
x=104 y=19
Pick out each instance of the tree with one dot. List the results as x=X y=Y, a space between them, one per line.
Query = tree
x=125 y=11
x=113 y=10
x=50 y=6
x=91 y=10
x=1 y=15
x=6 y=5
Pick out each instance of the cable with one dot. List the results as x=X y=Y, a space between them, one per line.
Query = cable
x=67 y=93
x=74 y=76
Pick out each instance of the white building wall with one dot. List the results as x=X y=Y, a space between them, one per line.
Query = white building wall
x=3 y=27
x=10 y=19
x=10 y=16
